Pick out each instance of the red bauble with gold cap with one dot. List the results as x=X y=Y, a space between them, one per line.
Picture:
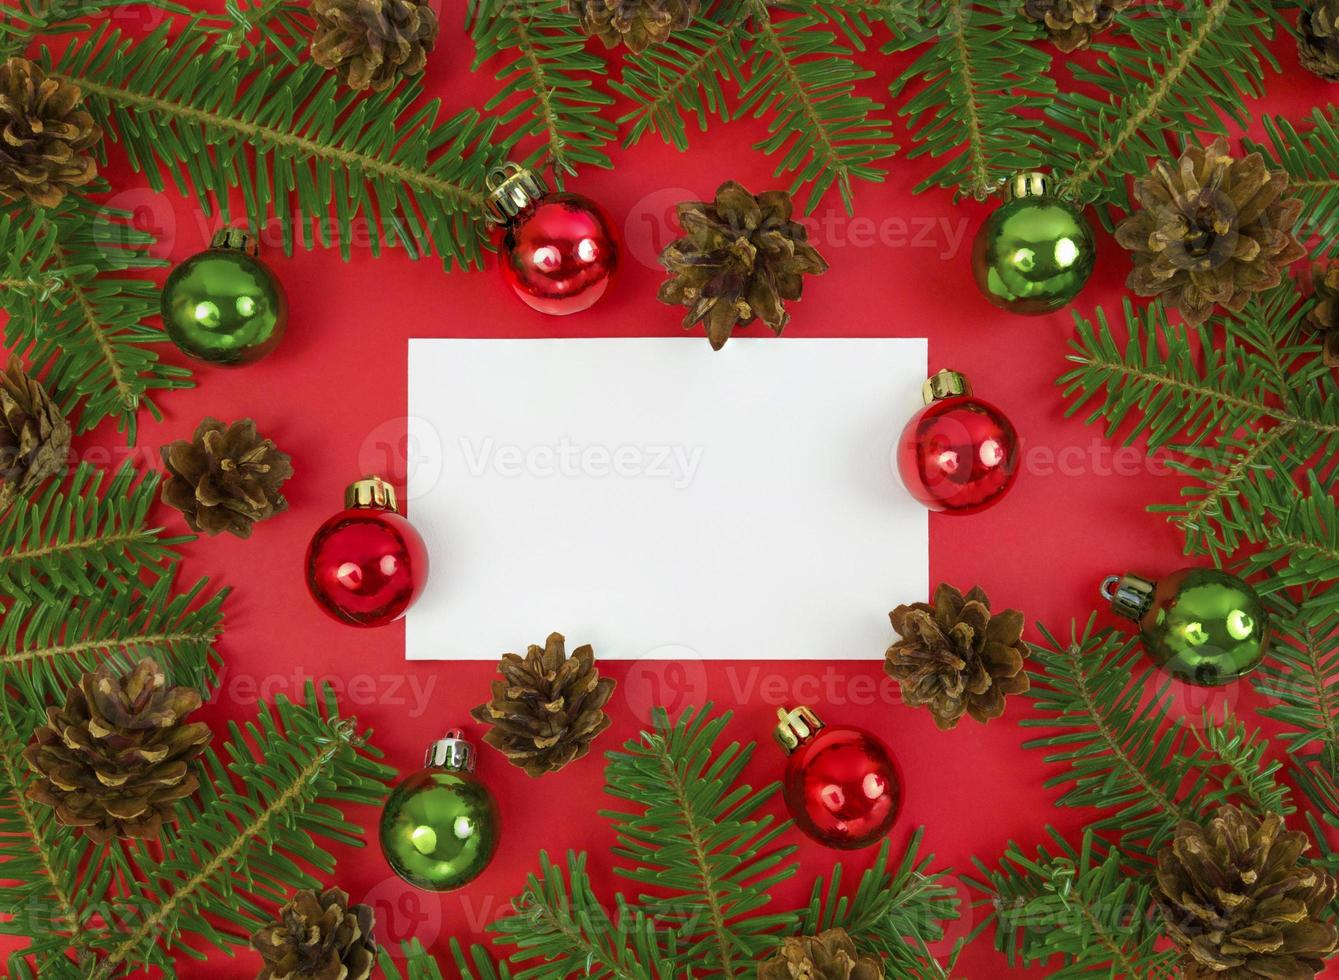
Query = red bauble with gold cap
x=558 y=250
x=958 y=454
x=841 y=784
x=367 y=565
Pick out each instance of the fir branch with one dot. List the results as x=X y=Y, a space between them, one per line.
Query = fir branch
x=1309 y=154
x=799 y=76
x=78 y=538
x=1243 y=417
x=1299 y=680
x=560 y=928
x=303 y=149
x=894 y=913
x=982 y=65
x=698 y=837
x=23 y=21
x=1192 y=77
x=670 y=83
x=1122 y=754
x=245 y=840
x=45 y=648
x=284 y=25
x=549 y=82
x=95 y=343
x=1079 y=906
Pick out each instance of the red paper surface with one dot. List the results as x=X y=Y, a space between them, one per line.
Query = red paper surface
x=333 y=396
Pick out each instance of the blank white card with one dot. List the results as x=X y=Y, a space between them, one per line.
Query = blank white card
x=650 y=495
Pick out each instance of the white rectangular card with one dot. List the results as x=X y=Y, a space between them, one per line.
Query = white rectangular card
x=650 y=495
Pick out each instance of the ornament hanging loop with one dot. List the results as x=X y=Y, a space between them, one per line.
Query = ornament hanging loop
x=1108 y=587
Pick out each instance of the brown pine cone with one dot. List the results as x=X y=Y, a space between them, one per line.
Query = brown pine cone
x=47 y=135
x=226 y=478
x=34 y=436
x=117 y=756
x=373 y=43
x=740 y=257
x=955 y=657
x=1071 y=24
x=830 y=955
x=1318 y=38
x=1324 y=316
x=1240 y=902
x=548 y=708
x=318 y=937
x=636 y=23
x=1212 y=230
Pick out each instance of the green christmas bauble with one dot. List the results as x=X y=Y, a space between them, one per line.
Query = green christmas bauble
x=1036 y=252
x=440 y=826
x=224 y=305
x=1201 y=625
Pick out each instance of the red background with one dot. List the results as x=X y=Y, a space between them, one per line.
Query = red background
x=333 y=396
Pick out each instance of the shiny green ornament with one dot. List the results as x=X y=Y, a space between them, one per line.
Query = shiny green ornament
x=1201 y=625
x=440 y=826
x=224 y=305
x=1036 y=252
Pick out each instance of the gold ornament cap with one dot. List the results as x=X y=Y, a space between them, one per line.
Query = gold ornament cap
x=1130 y=595
x=795 y=727
x=945 y=384
x=1032 y=183
x=236 y=240
x=452 y=752
x=371 y=493
x=512 y=189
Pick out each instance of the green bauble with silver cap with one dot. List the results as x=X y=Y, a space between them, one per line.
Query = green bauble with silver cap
x=440 y=826
x=1036 y=252
x=224 y=305
x=1201 y=625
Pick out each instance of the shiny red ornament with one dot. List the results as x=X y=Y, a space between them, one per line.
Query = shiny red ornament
x=958 y=454
x=559 y=252
x=367 y=564
x=841 y=785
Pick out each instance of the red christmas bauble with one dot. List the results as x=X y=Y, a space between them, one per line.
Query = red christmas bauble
x=841 y=786
x=367 y=564
x=559 y=252
x=958 y=454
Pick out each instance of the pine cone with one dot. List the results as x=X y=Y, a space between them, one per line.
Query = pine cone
x=636 y=23
x=373 y=43
x=830 y=955
x=1212 y=230
x=1240 y=903
x=955 y=657
x=226 y=479
x=740 y=257
x=548 y=708
x=1071 y=24
x=34 y=436
x=1324 y=316
x=1318 y=38
x=45 y=135
x=318 y=937
x=116 y=757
